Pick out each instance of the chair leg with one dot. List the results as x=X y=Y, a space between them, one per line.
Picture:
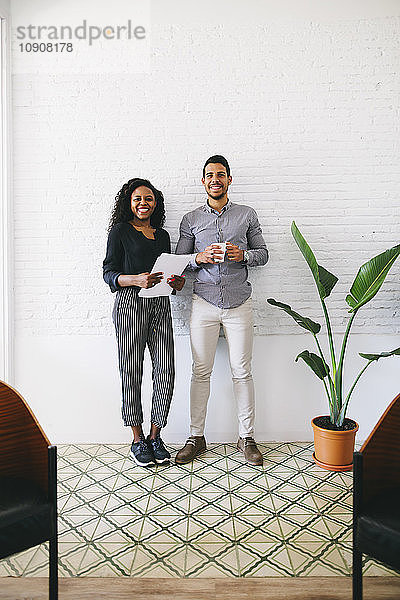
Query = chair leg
x=357 y=575
x=53 y=569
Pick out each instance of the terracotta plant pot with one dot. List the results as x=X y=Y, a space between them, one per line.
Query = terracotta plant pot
x=333 y=450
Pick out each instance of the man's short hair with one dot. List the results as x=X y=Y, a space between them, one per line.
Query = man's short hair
x=217 y=158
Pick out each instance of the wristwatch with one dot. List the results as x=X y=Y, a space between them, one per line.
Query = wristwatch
x=246 y=256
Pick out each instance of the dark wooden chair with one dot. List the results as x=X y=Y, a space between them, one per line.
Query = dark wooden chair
x=376 y=496
x=28 y=483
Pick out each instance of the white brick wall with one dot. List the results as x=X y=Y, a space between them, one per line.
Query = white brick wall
x=308 y=116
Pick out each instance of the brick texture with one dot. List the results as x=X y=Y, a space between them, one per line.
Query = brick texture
x=307 y=115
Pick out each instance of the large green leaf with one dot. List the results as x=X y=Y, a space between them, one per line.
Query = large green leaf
x=370 y=277
x=351 y=301
x=315 y=362
x=381 y=355
x=304 y=322
x=324 y=280
x=327 y=280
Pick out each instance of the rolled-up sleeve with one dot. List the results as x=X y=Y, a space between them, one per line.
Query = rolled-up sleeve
x=185 y=243
x=257 y=249
x=112 y=264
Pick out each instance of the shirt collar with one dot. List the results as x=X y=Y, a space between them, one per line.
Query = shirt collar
x=208 y=208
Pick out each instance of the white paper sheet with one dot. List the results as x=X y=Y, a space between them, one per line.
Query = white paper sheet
x=169 y=264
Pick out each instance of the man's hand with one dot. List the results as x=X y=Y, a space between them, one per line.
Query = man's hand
x=147 y=280
x=176 y=282
x=208 y=255
x=234 y=252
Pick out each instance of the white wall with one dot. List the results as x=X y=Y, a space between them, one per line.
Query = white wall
x=306 y=112
x=6 y=350
x=4 y=8
x=73 y=386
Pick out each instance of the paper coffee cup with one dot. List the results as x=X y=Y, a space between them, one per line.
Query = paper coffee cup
x=221 y=246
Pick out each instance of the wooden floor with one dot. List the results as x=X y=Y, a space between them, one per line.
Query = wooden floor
x=271 y=588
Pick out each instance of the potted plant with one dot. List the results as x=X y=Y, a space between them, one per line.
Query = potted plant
x=334 y=434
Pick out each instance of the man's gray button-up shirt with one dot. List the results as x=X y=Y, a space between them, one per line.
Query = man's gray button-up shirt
x=224 y=284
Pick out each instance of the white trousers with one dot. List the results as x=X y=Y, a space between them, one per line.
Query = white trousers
x=205 y=323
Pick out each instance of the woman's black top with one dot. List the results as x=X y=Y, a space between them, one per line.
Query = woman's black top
x=130 y=252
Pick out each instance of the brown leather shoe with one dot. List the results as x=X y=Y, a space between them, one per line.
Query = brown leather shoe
x=195 y=445
x=249 y=448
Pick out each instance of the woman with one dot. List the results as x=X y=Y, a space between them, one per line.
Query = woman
x=135 y=240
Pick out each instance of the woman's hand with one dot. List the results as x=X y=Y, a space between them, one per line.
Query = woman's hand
x=176 y=282
x=234 y=252
x=147 y=280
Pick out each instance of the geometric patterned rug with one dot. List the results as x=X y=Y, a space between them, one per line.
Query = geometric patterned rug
x=216 y=517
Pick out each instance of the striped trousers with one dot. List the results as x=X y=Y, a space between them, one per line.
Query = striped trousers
x=140 y=322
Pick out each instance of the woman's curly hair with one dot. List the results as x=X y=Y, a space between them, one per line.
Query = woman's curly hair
x=122 y=212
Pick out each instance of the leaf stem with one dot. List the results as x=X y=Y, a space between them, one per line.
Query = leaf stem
x=339 y=372
x=331 y=398
x=330 y=337
x=346 y=402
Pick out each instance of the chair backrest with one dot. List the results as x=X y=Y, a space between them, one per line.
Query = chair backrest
x=23 y=444
x=381 y=453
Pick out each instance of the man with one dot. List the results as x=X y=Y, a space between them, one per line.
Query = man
x=221 y=296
